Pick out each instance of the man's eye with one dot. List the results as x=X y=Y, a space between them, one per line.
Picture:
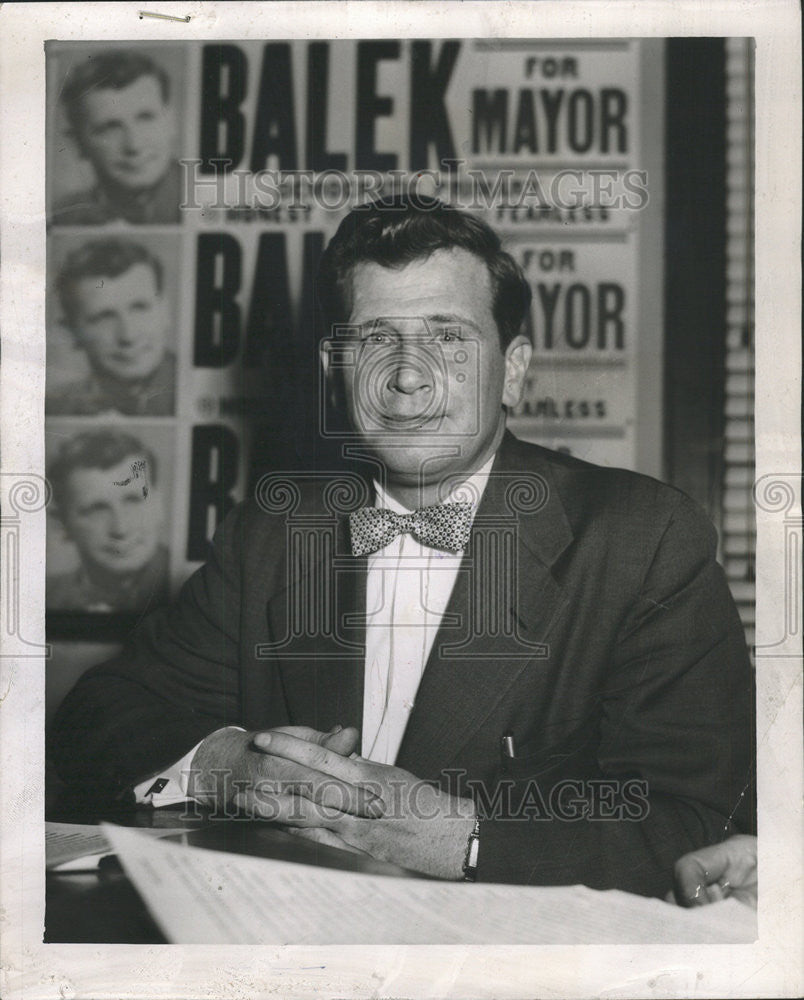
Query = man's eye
x=378 y=337
x=448 y=334
x=94 y=510
x=106 y=131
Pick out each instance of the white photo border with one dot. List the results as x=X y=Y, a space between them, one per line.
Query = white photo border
x=770 y=967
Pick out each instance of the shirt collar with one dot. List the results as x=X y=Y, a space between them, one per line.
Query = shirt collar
x=470 y=489
x=135 y=392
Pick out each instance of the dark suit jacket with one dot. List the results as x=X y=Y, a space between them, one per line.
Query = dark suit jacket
x=154 y=396
x=101 y=205
x=589 y=619
x=77 y=591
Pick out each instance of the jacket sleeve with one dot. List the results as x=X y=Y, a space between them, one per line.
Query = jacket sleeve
x=175 y=681
x=675 y=741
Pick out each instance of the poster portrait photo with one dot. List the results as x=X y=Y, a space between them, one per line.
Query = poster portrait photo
x=112 y=325
x=118 y=112
x=111 y=506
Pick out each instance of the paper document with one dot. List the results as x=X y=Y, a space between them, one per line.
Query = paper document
x=79 y=846
x=198 y=896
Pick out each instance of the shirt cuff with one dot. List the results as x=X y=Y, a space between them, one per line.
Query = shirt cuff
x=169 y=786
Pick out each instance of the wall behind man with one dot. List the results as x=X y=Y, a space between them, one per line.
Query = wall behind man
x=547 y=122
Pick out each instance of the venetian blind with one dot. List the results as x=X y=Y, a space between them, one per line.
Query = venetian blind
x=738 y=534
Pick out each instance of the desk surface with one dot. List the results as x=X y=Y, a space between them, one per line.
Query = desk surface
x=102 y=907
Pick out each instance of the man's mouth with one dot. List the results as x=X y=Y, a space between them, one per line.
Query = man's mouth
x=396 y=420
x=123 y=551
x=130 y=358
x=138 y=165
x=408 y=411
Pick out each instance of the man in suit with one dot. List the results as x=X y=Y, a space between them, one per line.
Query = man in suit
x=113 y=300
x=482 y=660
x=121 y=119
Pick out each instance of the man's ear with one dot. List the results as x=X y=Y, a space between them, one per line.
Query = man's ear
x=173 y=125
x=156 y=500
x=74 y=137
x=324 y=352
x=332 y=379
x=72 y=331
x=162 y=309
x=59 y=522
x=517 y=361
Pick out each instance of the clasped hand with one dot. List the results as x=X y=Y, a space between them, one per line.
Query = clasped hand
x=318 y=788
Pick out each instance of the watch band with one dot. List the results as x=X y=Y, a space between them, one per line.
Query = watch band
x=472 y=851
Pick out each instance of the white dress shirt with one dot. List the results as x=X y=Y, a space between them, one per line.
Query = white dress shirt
x=407 y=590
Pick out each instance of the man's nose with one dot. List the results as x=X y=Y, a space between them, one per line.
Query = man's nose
x=118 y=522
x=126 y=334
x=411 y=371
x=132 y=140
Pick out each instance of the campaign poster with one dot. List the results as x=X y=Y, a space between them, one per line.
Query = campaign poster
x=185 y=228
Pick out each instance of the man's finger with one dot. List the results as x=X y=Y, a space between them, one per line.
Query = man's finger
x=715 y=893
x=264 y=802
x=693 y=876
x=321 y=835
x=317 y=757
x=296 y=779
x=689 y=881
x=341 y=740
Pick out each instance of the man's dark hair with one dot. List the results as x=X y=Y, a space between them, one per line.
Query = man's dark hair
x=104 y=258
x=111 y=70
x=98 y=449
x=396 y=232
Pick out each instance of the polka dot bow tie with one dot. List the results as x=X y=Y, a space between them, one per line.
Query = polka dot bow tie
x=446 y=527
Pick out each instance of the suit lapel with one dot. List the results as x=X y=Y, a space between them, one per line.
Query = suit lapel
x=499 y=615
x=320 y=618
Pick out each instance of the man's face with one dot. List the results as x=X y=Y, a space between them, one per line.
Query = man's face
x=121 y=322
x=426 y=379
x=115 y=527
x=127 y=134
